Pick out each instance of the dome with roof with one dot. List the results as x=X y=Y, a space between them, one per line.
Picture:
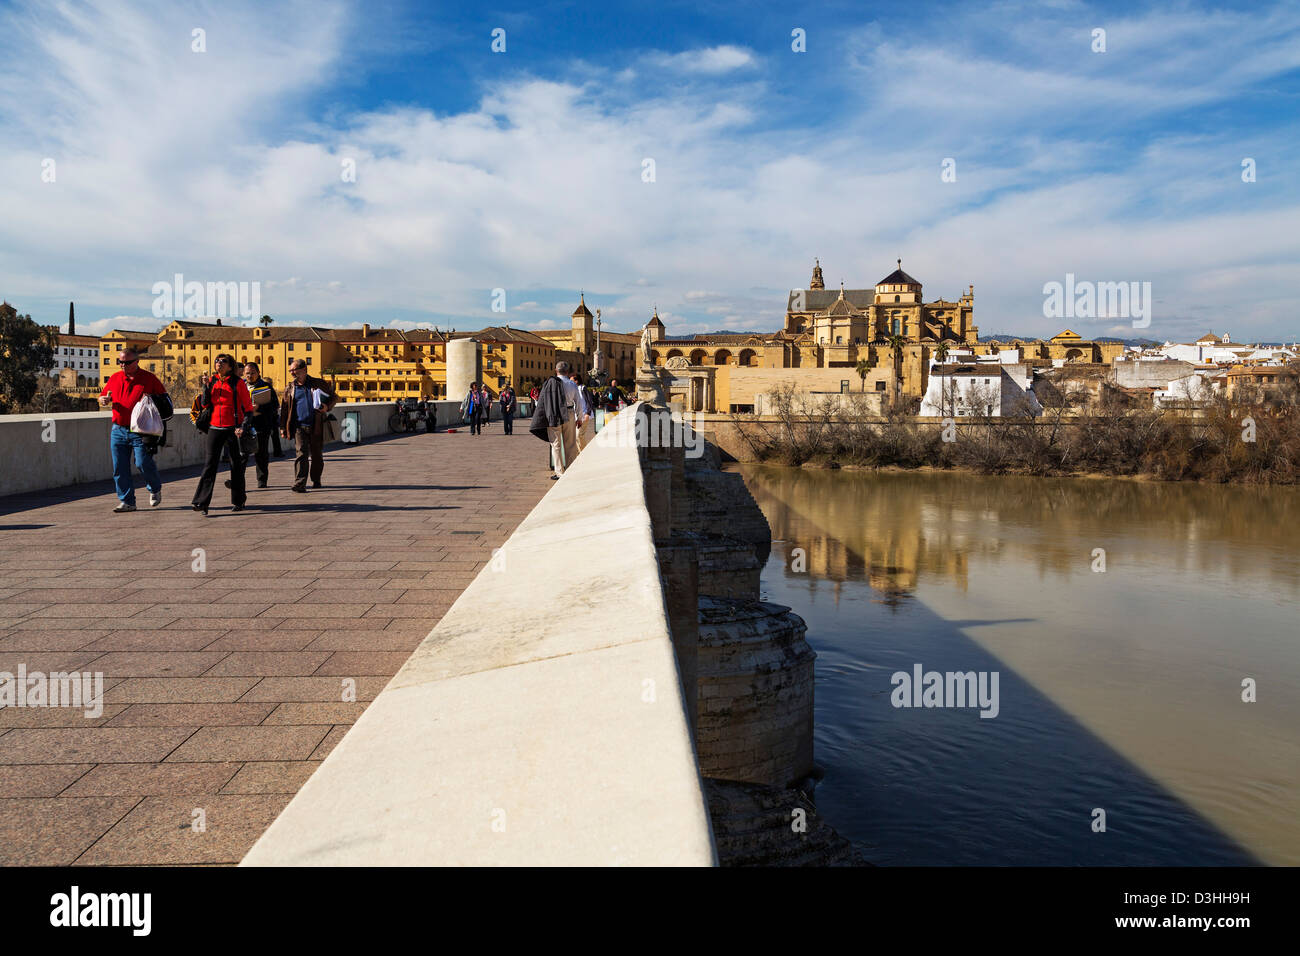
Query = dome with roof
x=899 y=277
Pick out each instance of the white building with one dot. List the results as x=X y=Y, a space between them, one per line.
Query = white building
x=1195 y=389
x=80 y=353
x=980 y=388
x=1220 y=350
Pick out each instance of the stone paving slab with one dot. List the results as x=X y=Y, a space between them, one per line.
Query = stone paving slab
x=224 y=687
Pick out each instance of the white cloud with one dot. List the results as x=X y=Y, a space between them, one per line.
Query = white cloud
x=707 y=60
x=446 y=208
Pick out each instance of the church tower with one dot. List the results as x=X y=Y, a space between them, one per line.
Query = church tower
x=817 y=282
x=583 y=338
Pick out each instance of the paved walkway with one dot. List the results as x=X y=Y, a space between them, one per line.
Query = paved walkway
x=225 y=687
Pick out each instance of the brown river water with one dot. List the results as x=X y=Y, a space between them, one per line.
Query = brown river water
x=1119 y=690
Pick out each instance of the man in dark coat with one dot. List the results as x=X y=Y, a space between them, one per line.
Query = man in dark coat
x=304 y=407
x=553 y=420
x=266 y=417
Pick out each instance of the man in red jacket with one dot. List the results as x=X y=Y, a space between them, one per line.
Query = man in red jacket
x=123 y=392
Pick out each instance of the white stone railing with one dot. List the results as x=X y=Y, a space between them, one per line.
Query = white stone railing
x=43 y=452
x=542 y=722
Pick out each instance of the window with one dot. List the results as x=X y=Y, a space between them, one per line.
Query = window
x=290 y=346
x=897 y=299
x=308 y=346
x=844 y=385
x=839 y=340
x=880 y=386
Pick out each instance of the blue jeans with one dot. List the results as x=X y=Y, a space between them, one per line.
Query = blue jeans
x=122 y=441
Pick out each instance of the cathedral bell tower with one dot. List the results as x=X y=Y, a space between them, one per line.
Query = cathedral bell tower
x=584 y=340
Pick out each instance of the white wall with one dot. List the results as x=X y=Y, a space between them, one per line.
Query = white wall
x=42 y=452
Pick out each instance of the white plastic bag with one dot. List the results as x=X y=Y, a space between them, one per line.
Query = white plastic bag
x=145 y=419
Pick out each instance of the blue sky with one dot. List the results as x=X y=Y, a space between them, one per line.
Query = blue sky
x=522 y=170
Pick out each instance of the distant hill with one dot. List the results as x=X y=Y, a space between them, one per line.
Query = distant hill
x=1006 y=337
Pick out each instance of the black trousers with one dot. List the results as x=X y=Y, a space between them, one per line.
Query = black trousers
x=476 y=422
x=221 y=440
x=508 y=420
x=261 y=459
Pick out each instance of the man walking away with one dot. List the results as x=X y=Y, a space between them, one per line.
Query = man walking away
x=123 y=391
x=303 y=409
x=553 y=419
x=266 y=418
x=584 y=414
x=508 y=408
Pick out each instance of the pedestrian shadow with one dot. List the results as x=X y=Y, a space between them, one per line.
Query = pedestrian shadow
x=336 y=487
x=312 y=503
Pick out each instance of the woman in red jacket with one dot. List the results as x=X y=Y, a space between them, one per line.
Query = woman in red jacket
x=232 y=412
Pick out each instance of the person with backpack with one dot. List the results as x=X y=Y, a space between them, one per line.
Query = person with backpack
x=123 y=391
x=508 y=408
x=226 y=413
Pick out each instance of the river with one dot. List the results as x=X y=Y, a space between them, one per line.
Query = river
x=1121 y=618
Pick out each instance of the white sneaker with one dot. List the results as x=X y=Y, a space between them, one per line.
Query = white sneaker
x=123 y=508
x=155 y=499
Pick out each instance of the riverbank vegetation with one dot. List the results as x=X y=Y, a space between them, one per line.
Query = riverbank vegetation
x=1226 y=443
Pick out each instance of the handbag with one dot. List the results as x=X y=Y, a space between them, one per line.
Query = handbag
x=248 y=442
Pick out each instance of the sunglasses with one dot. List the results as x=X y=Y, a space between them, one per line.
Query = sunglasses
x=126 y=361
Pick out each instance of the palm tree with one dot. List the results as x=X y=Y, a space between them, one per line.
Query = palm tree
x=941 y=353
x=896 y=342
x=862 y=369
x=266 y=320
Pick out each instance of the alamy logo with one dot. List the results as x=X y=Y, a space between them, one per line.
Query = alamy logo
x=56 y=689
x=949 y=689
x=102 y=909
x=661 y=430
x=1098 y=300
x=226 y=300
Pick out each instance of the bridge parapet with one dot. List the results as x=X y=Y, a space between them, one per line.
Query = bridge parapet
x=542 y=722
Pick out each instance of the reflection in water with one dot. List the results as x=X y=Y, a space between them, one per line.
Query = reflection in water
x=1121 y=690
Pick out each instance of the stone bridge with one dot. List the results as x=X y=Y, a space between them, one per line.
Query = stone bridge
x=583 y=670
